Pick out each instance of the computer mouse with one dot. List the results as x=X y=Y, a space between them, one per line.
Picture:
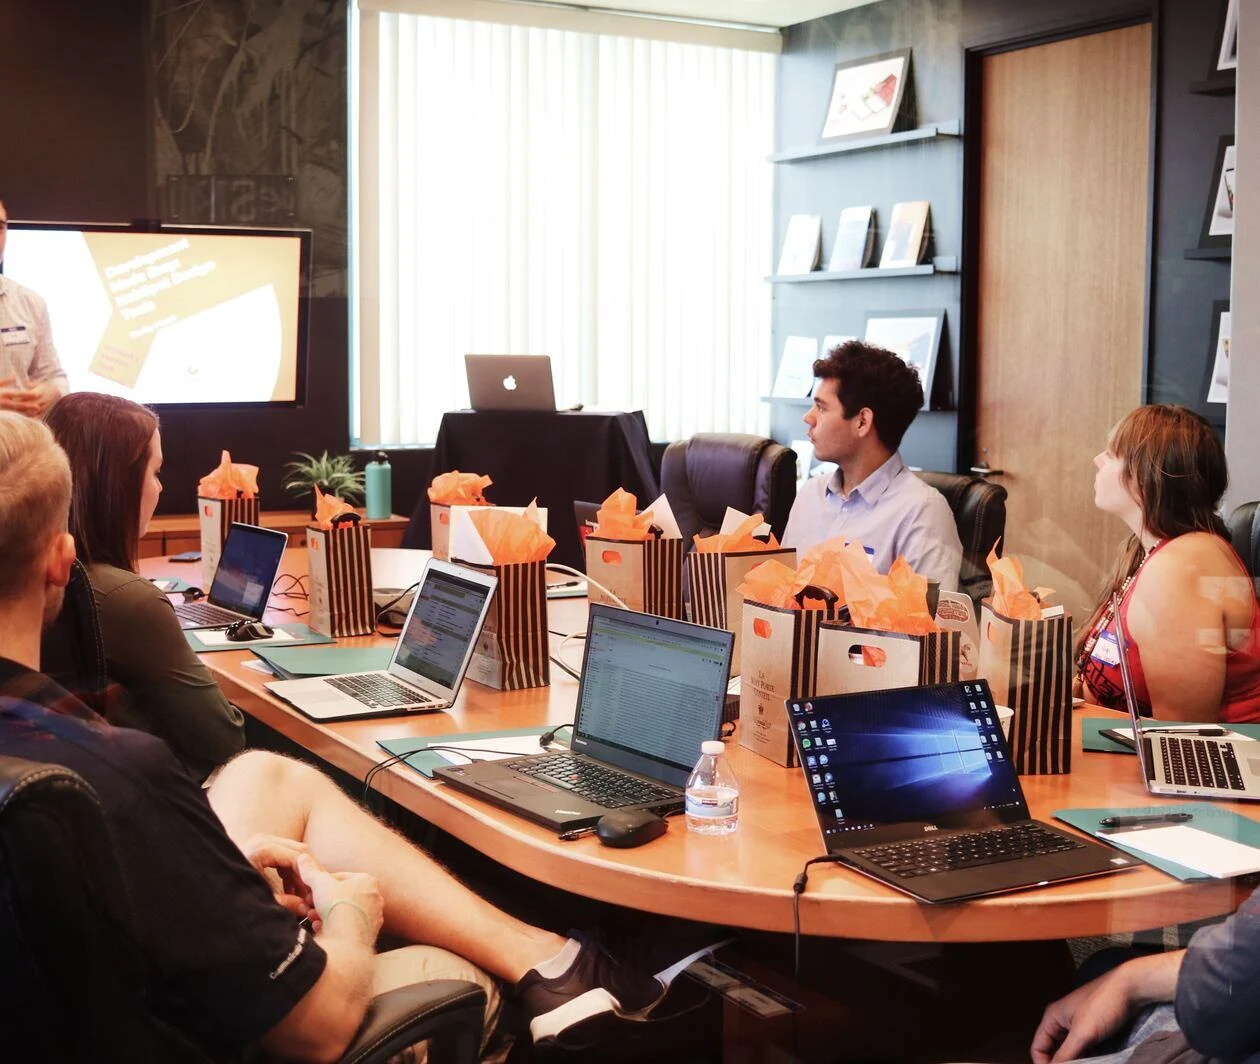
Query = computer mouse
x=244 y=631
x=624 y=829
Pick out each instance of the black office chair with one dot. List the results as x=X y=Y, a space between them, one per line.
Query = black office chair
x=704 y=475
x=979 y=509
x=72 y=651
x=1244 y=533
x=74 y=981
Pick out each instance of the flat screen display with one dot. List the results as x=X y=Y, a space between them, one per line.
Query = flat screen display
x=178 y=316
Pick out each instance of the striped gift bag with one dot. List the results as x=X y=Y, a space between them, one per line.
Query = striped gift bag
x=645 y=574
x=852 y=659
x=713 y=583
x=340 y=566
x=512 y=651
x=214 y=517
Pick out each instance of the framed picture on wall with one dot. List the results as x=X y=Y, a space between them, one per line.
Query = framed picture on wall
x=1217 y=383
x=1227 y=52
x=1218 y=219
x=866 y=95
x=915 y=335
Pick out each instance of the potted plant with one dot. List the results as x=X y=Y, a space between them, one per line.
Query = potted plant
x=334 y=476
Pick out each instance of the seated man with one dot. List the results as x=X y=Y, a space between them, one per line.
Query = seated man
x=1206 y=998
x=864 y=402
x=219 y=879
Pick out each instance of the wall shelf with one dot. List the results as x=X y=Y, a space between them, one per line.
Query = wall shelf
x=1210 y=253
x=843 y=147
x=940 y=264
x=1223 y=85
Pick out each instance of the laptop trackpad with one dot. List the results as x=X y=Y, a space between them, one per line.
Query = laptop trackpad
x=320 y=697
x=522 y=787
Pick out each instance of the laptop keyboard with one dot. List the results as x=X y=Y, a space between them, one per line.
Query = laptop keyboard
x=594 y=782
x=379 y=692
x=1196 y=763
x=204 y=613
x=970 y=849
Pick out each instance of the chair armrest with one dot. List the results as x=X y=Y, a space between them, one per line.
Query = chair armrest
x=446 y=1012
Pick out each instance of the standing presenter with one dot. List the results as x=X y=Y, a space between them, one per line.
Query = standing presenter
x=31 y=377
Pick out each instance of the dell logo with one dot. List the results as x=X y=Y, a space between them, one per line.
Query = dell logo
x=930 y=827
x=509 y=383
x=571 y=812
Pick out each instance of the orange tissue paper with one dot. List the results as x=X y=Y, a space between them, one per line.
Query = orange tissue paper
x=512 y=539
x=738 y=541
x=617 y=520
x=231 y=480
x=328 y=508
x=771 y=583
x=459 y=489
x=1010 y=597
x=821 y=566
x=893 y=603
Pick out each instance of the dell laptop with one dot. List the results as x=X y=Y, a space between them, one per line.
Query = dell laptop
x=1173 y=762
x=915 y=787
x=430 y=658
x=510 y=382
x=651 y=692
x=242 y=582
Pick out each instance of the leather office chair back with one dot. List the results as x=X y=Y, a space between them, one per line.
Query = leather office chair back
x=1244 y=533
x=979 y=509
x=72 y=651
x=73 y=979
x=704 y=475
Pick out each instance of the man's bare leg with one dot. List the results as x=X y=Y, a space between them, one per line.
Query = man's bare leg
x=260 y=792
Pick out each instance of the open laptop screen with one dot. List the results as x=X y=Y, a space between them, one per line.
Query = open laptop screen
x=247 y=569
x=914 y=755
x=651 y=687
x=442 y=626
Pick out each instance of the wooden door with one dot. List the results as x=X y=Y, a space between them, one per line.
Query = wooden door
x=1062 y=283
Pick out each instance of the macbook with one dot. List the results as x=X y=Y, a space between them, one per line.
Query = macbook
x=915 y=787
x=430 y=657
x=651 y=692
x=510 y=382
x=242 y=582
x=1173 y=762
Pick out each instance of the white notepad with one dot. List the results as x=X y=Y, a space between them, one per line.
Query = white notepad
x=1201 y=850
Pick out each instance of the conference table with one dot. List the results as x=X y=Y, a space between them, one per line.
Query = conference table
x=745 y=879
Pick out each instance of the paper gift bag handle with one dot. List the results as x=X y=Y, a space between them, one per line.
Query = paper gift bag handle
x=610 y=557
x=347 y=520
x=444 y=517
x=876 y=657
x=814 y=591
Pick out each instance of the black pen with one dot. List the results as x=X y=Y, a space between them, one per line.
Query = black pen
x=576 y=833
x=1148 y=818
x=1207 y=729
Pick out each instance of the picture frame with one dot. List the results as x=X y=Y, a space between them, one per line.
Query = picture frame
x=866 y=96
x=1227 y=47
x=1216 y=382
x=1218 y=218
x=915 y=335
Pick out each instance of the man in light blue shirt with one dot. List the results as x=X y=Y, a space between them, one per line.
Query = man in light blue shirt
x=865 y=400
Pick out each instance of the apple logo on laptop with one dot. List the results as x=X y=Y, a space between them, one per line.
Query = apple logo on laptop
x=509 y=382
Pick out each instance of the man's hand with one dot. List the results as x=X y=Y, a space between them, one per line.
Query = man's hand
x=359 y=888
x=21 y=400
x=277 y=861
x=1100 y=1009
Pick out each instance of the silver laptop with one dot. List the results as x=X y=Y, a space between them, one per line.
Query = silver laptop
x=242 y=580
x=430 y=657
x=510 y=382
x=1174 y=762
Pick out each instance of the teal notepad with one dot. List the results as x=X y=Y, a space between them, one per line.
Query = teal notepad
x=296 y=663
x=171 y=585
x=1092 y=740
x=425 y=762
x=1207 y=817
x=302 y=636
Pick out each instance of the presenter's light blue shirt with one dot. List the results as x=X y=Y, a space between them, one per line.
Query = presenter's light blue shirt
x=892 y=512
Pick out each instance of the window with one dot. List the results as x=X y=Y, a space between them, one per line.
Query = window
x=600 y=199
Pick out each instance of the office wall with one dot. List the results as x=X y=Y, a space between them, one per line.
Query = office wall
x=939 y=32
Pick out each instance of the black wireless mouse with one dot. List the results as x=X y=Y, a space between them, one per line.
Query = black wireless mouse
x=244 y=631
x=629 y=828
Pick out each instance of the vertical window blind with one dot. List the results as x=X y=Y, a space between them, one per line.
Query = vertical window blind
x=600 y=199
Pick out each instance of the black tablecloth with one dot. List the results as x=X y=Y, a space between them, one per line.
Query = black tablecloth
x=555 y=457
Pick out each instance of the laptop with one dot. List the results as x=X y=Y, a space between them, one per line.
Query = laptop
x=651 y=692
x=915 y=787
x=510 y=382
x=429 y=661
x=1173 y=762
x=242 y=581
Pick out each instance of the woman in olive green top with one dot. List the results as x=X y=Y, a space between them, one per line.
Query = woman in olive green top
x=115 y=451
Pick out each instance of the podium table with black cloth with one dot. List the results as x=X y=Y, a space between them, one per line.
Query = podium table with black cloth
x=554 y=457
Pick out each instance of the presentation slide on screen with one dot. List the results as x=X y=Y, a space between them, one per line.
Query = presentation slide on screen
x=168 y=317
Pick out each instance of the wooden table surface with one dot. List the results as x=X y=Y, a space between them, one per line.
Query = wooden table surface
x=744 y=879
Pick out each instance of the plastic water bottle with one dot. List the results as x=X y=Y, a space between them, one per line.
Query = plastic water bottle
x=376 y=482
x=712 y=801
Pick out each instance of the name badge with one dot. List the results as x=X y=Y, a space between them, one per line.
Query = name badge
x=1107 y=650
x=13 y=335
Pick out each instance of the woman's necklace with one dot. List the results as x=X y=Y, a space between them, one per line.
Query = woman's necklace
x=1108 y=614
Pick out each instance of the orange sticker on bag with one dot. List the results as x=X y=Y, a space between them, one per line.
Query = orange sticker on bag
x=761 y=627
x=444 y=518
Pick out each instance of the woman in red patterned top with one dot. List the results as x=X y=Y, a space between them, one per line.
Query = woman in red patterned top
x=1187 y=603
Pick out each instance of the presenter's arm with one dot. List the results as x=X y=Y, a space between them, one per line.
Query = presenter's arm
x=322 y=1024
x=48 y=379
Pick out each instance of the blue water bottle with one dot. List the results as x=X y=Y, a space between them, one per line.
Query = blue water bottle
x=376 y=481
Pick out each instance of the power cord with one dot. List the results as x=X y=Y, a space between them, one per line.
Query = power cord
x=381 y=611
x=798 y=888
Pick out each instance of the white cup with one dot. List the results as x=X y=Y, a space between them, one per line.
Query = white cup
x=1005 y=715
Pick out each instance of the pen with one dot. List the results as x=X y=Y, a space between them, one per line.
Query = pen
x=1148 y=818
x=1209 y=729
x=576 y=833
